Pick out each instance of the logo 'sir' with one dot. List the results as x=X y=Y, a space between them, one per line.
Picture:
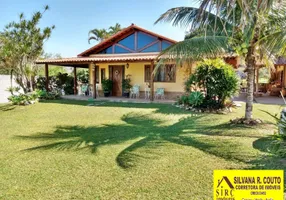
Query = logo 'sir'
x=224 y=190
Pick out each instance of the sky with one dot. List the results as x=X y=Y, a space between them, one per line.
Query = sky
x=75 y=18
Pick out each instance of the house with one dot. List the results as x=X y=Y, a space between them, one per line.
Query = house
x=132 y=51
x=278 y=78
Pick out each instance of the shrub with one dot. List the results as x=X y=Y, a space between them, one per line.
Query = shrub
x=23 y=99
x=44 y=95
x=184 y=99
x=83 y=75
x=126 y=84
x=215 y=77
x=57 y=83
x=196 y=99
x=13 y=90
x=107 y=85
x=278 y=144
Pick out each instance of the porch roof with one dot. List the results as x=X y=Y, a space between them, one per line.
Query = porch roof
x=101 y=58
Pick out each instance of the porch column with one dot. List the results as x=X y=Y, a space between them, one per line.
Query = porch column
x=152 y=81
x=75 y=81
x=94 y=80
x=47 y=76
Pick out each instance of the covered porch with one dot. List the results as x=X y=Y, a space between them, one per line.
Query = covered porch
x=117 y=99
x=92 y=63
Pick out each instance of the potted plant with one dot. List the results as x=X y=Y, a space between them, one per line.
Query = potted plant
x=106 y=86
x=126 y=86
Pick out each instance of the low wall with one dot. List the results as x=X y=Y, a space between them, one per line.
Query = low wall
x=4 y=84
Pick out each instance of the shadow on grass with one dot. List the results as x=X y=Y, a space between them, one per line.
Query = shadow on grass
x=147 y=134
x=160 y=107
x=7 y=107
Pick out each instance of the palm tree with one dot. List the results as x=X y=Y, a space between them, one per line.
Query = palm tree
x=115 y=29
x=98 y=35
x=255 y=30
x=102 y=34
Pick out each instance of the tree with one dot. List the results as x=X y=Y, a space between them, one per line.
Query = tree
x=102 y=34
x=255 y=30
x=21 y=44
x=115 y=29
x=98 y=35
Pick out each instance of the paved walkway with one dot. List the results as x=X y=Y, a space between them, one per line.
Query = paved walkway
x=272 y=100
x=117 y=99
x=242 y=98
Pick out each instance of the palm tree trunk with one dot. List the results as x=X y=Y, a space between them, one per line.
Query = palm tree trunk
x=251 y=63
x=250 y=88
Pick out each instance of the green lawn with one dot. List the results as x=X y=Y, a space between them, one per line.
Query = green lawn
x=67 y=150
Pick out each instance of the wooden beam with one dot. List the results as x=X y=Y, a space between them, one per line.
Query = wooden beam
x=94 y=81
x=152 y=81
x=75 y=81
x=47 y=76
x=148 y=45
x=124 y=47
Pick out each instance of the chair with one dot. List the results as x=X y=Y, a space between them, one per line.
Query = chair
x=91 y=90
x=79 y=91
x=147 y=93
x=160 y=92
x=135 y=91
x=84 y=89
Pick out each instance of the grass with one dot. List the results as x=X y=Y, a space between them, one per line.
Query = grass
x=67 y=150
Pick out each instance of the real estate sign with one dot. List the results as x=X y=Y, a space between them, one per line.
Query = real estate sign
x=248 y=185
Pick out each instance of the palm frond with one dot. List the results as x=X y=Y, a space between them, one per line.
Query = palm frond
x=188 y=17
x=194 y=49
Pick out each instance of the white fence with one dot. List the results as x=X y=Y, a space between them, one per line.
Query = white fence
x=4 y=84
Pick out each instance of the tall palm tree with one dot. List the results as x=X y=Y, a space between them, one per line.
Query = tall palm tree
x=102 y=34
x=253 y=29
x=98 y=35
x=114 y=29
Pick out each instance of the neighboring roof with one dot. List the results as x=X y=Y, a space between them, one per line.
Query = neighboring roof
x=120 y=35
x=103 y=58
x=281 y=61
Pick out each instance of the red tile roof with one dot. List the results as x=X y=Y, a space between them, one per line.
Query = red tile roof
x=121 y=33
x=103 y=58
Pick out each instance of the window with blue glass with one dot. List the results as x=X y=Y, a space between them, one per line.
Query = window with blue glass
x=107 y=50
x=165 y=44
x=120 y=50
x=144 y=39
x=128 y=42
x=153 y=48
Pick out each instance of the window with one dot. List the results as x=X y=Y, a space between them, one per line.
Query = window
x=165 y=44
x=166 y=73
x=147 y=73
x=120 y=50
x=102 y=74
x=153 y=48
x=144 y=39
x=128 y=42
x=106 y=51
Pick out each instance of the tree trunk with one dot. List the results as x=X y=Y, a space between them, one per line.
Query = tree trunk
x=11 y=81
x=251 y=63
x=250 y=88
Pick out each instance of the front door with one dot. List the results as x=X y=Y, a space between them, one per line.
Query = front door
x=116 y=72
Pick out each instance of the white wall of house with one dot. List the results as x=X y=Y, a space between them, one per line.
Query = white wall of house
x=4 y=84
